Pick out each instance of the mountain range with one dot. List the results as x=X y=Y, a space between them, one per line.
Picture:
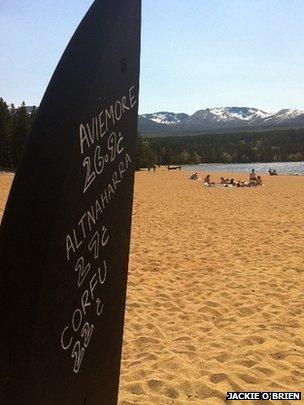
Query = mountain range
x=218 y=119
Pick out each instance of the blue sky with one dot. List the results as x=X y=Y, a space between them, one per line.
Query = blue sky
x=195 y=53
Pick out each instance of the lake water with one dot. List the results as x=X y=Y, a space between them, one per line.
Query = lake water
x=280 y=167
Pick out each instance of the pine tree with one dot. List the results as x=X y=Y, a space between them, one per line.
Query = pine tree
x=145 y=156
x=6 y=128
x=22 y=129
x=32 y=117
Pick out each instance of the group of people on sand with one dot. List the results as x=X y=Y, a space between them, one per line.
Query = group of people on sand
x=272 y=172
x=254 y=181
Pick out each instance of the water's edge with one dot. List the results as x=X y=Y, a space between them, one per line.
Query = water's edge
x=290 y=168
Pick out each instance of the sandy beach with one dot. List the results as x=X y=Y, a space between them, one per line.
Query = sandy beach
x=215 y=297
x=215 y=291
x=5 y=185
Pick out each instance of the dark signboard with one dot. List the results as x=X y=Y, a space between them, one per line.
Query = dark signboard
x=64 y=239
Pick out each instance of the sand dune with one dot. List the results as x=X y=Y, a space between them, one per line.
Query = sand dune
x=215 y=290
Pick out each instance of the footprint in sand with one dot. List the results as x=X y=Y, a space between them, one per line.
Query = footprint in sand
x=253 y=340
x=135 y=388
x=222 y=358
x=171 y=392
x=155 y=385
x=205 y=392
x=246 y=311
x=278 y=356
x=144 y=342
x=249 y=379
x=182 y=339
x=299 y=342
x=264 y=370
x=216 y=378
x=247 y=363
x=298 y=373
x=212 y=304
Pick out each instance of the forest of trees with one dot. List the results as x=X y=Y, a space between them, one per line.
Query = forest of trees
x=241 y=147
x=15 y=125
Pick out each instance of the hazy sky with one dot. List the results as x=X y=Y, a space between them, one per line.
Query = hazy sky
x=195 y=53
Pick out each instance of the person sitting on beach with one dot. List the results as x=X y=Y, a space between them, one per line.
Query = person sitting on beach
x=194 y=176
x=259 y=181
x=222 y=181
x=208 y=182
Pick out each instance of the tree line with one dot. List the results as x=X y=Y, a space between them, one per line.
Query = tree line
x=240 y=147
x=15 y=125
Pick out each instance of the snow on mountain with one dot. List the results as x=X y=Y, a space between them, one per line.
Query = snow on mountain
x=284 y=115
x=220 y=118
x=223 y=117
x=164 y=117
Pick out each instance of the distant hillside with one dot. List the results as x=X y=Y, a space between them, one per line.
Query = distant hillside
x=224 y=119
x=238 y=147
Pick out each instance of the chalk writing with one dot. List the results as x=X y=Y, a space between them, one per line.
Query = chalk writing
x=70 y=334
x=102 y=149
x=99 y=125
x=95 y=166
x=92 y=215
